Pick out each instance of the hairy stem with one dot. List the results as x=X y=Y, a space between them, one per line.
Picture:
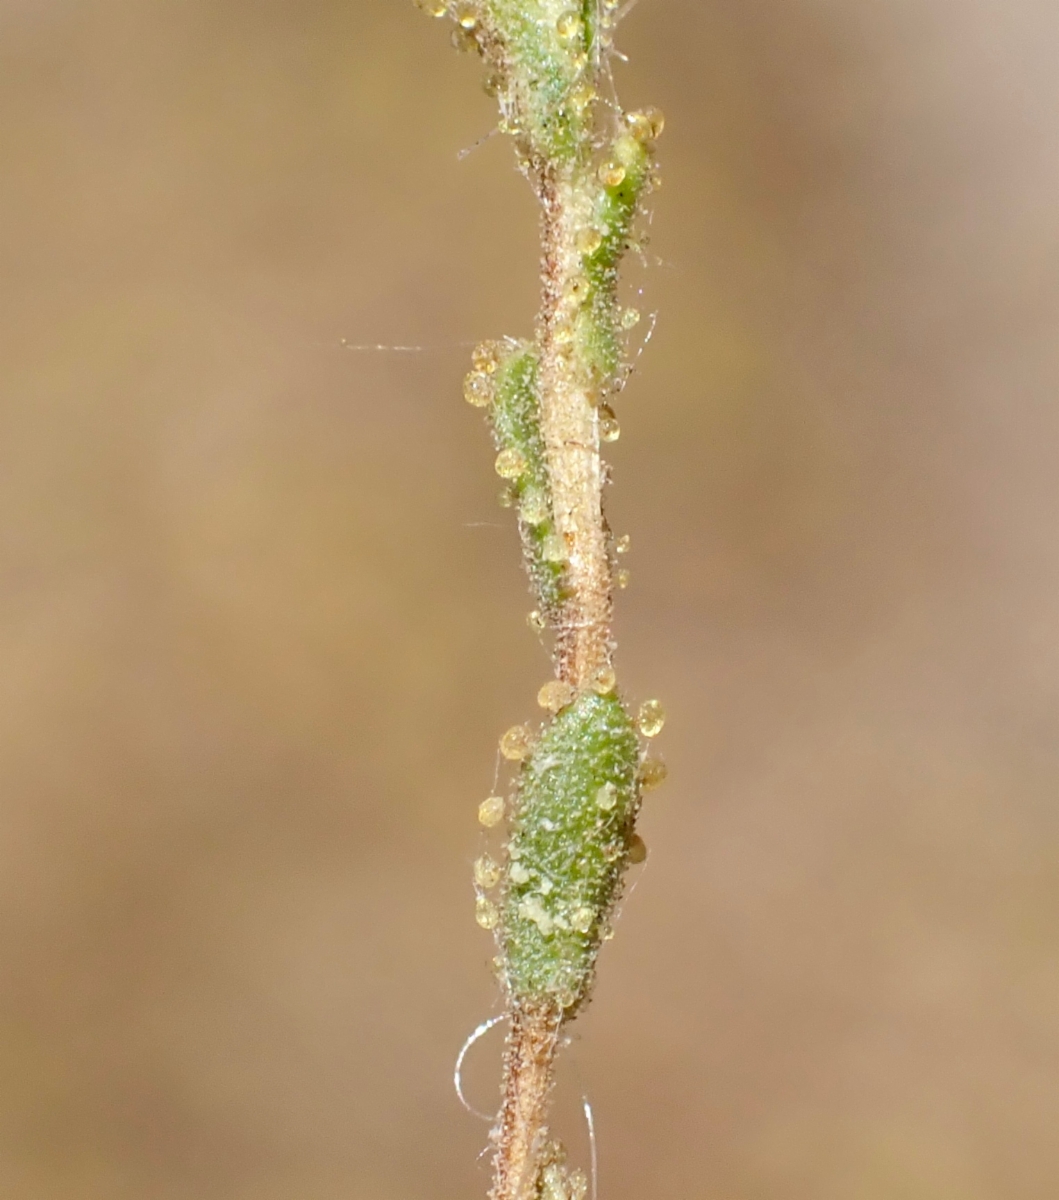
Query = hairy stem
x=581 y=776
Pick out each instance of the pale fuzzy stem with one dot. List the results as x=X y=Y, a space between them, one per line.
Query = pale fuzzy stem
x=521 y=1131
x=570 y=428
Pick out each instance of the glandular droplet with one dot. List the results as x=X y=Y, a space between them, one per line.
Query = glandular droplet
x=433 y=8
x=607 y=797
x=535 y=510
x=516 y=743
x=651 y=718
x=463 y=40
x=609 y=429
x=604 y=681
x=556 y=695
x=639 y=125
x=478 y=389
x=491 y=811
x=568 y=25
x=581 y=919
x=611 y=174
x=637 y=850
x=652 y=774
x=510 y=463
x=486 y=913
x=486 y=872
x=589 y=240
x=535 y=621
x=466 y=15
x=623 y=544
x=658 y=121
x=623 y=578
x=486 y=356
x=630 y=318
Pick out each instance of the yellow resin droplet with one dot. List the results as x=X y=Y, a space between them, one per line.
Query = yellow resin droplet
x=581 y=919
x=463 y=40
x=486 y=872
x=568 y=25
x=637 y=850
x=535 y=509
x=486 y=913
x=607 y=797
x=604 y=681
x=609 y=429
x=611 y=174
x=433 y=8
x=556 y=695
x=478 y=389
x=486 y=357
x=516 y=743
x=491 y=811
x=623 y=544
x=623 y=578
x=589 y=240
x=553 y=548
x=658 y=121
x=535 y=621
x=510 y=464
x=639 y=125
x=630 y=318
x=466 y=15
x=651 y=719
x=652 y=774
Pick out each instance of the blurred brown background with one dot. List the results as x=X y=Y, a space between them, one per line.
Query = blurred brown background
x=262 y=620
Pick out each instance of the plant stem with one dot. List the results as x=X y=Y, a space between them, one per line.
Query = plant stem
x=571 y=819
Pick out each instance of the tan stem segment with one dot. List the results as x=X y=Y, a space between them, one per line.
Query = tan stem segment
x=521 y=1133
x=569 y=399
